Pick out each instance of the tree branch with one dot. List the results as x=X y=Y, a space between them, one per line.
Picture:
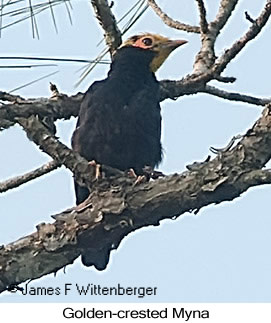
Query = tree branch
x=233 y=96
x=253 y=31
x=116 y=207
x=224 y=12
x=205 y=69
x=48 y=143
x=4 y=96
x=62 y=107
x=108 y=22
x=205 y=58
x=171 y=22
x=203 y=20
x=19 y=180
x=257 y=177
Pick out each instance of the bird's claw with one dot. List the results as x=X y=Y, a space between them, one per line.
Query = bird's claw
x=140 y=179
x=97 y=169
x=131 y=173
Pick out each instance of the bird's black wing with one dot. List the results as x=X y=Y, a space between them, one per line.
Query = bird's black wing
x=83 y=131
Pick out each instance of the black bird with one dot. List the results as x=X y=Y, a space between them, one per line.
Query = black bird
x=119 y=122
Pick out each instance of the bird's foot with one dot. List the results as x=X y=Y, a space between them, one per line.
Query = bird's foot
x=131 y=173
x=98 y=172
x=138 y=178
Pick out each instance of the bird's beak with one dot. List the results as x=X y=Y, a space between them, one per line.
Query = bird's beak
x=164 y=50
x=173 y=44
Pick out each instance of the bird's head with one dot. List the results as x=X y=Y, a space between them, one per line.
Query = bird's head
x=161 y=46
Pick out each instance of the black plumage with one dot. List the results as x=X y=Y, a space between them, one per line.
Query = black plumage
x=119 y=123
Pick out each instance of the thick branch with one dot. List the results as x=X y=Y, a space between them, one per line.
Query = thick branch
x=4 y=96
x=62 y=107
x=116 y=207
x=19 y=180
x=48 y=143
x=171 y=22
x=257 y=177
x=108 y=22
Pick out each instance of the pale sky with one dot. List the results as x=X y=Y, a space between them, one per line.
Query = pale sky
x=219 y=255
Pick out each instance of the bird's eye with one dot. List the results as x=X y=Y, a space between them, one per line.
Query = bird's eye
x=147 y=41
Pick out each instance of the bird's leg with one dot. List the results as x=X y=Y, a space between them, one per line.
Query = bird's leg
x=138 y=178
x=97 y=168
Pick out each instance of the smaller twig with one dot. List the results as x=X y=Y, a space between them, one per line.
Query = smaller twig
x=225 y=79
x=236 y=48
x=205 y=58
x=224 y=12
x=19 y=180
x=108 y=22
x=171 y=22
x=202 y=14
x=219 y=151
x=33 y=82
x=248 y=17
x=233 y=96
